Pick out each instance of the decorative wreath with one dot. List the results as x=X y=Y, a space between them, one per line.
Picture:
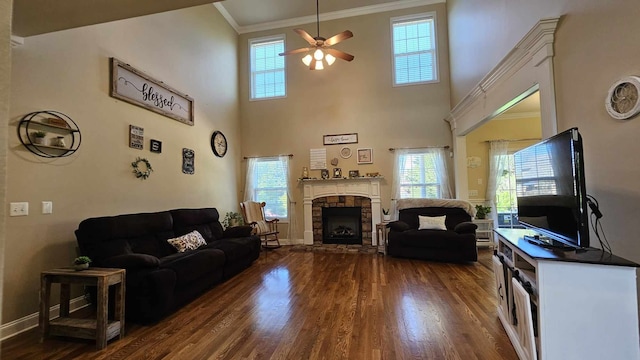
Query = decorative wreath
x=139 y=173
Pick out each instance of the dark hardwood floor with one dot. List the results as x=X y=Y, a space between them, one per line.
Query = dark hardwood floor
x=305 y=305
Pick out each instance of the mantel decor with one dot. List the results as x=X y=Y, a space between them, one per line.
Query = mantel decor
x=137 y=88
x=142 y=174
x=340 y=139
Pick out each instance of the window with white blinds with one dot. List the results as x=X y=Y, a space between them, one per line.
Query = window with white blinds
x=267 y=68
x=414 y=49
x=270 y=186
x=536 y=175
x=418 y=176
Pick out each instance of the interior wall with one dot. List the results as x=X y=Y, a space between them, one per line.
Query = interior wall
x=478 y=146
x=356 y=97
x=5 y=81
x=590 y=55
x=193 y=50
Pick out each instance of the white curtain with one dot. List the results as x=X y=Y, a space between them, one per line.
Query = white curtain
x=249 y=185
x=498 y=163
x=439 y=163
x=285 y=159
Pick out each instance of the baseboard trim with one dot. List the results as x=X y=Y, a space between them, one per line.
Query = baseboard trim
x=291 y=242
x=28 y=322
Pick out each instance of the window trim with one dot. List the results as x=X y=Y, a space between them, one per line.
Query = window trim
x=284 y=219
x=436 y=61
x=422 y=184
x=265 y=39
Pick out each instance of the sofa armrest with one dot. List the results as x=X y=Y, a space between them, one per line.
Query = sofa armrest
x=398 y=226
x=131 y=261
x=237 y=232
x=466 y=227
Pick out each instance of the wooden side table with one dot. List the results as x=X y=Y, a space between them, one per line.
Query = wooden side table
x=100 y=328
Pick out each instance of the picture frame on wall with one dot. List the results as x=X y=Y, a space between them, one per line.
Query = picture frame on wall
x=365 y=156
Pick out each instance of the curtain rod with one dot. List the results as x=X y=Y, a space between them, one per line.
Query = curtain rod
x=255 y=157
x=421 y=147
x=514 y=140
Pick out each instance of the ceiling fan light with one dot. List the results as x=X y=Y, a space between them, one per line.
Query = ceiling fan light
x=319 y=65
x=330 y=59
x=318 y=54
x=307 y=59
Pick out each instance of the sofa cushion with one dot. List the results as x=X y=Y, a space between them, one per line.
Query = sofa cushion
x=190 y=241
x=192 y=265
x=131 y=261
x=466 y=227
x=431 y=222
x=454 y=215
x=234 y=249
x=398 y=226
x=206 y=221
x=426 y=239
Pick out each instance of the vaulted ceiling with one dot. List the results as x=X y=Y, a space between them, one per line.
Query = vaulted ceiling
x=33 y=17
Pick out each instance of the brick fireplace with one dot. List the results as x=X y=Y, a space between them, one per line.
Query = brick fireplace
x=342 y=220
x=340 y=193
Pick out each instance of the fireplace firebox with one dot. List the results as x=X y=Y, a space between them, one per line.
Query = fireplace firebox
x=342 y=225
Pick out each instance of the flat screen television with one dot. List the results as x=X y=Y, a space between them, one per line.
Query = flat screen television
x=551 y=192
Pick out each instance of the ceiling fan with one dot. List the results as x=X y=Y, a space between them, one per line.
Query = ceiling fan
x=321 y=47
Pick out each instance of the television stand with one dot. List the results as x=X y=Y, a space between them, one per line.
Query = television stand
x=547 y=242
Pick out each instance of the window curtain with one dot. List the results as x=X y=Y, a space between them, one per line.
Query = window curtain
x=249 y=185
x=439 y=158
x=498 y=163
x=291 y=232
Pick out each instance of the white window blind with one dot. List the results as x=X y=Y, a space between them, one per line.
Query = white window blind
x=267 y=68
x=418 y=176
x=414 y=49
x=270 y=186
x=536 y=175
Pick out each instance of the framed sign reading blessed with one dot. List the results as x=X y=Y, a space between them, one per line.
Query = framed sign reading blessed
x=138 y=88
x=340 y=139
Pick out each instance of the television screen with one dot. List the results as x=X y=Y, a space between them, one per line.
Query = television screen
x=550 y=188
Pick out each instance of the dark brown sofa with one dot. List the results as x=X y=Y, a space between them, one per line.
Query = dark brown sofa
x=455 y=244
x=159 y=279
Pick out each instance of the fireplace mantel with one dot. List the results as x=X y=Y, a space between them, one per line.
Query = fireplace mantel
x=367 y=187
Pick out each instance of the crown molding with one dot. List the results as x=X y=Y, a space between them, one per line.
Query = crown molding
x=364 y=10
x=17 y=41
x=537 y=45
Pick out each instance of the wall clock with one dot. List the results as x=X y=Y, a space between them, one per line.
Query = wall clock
x=622 y=100
x=219 y=144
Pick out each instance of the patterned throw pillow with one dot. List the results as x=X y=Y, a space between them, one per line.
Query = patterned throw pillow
x=432 y=222
x=190 y=241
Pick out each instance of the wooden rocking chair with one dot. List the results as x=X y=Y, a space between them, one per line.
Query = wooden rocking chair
x=267 y=230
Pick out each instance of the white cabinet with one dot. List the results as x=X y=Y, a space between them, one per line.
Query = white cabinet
x=567 y=304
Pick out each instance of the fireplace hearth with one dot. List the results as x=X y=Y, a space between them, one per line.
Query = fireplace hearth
x=342 y=225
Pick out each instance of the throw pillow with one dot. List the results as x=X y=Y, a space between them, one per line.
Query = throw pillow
x=190 y=241
x=432 y=222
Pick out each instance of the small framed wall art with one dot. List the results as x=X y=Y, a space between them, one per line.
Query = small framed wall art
x=155 y=146
x=365 y=156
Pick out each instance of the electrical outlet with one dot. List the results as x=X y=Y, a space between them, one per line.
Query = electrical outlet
x=19 y=209
x=47 y=207
x=479 y=181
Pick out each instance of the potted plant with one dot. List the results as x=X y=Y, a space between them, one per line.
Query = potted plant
x=38 y=137
x=81 y=263
x=482 y=211
x=232 y=218
x=385 y=214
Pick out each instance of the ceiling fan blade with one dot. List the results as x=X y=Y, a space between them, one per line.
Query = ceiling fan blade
x=312 y=66
x=305 y=35
x=296 y=51
x=338 y=37
x=340 y=54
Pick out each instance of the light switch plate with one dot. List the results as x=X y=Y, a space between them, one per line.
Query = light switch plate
x=19 y=209
x=47 y=207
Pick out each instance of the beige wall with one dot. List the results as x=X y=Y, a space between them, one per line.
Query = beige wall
x=5 y=82
x=478 y=146
x=356 y=97
x=590 y=55
x=193 y=50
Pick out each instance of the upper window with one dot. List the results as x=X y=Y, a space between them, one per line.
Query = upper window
x=414 y=49
x=267 y=68
x=269 y=179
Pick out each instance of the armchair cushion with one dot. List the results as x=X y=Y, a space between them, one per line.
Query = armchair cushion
x=466 y=227
x=131 y=261
x=398 y=226
x=237 y=232
x=431 y=222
